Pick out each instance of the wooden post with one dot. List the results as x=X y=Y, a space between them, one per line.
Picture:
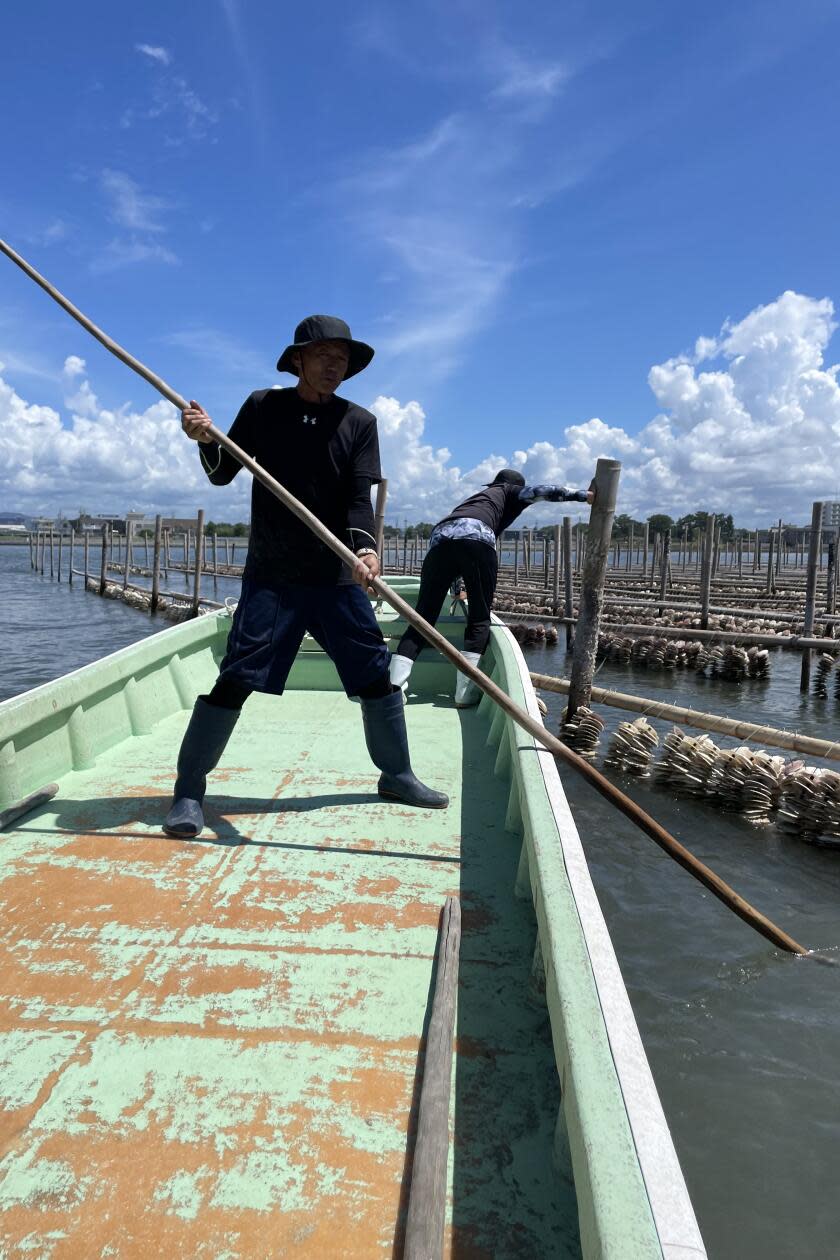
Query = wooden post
x=215 y=556
x=516 y=558
x=664 y=562
x=146 y=546
x=405 y=550
x=426 y=1215
x=630 y=544
x=129 y=529
x=740 y=557
x=199 y=547
x=86 y=543
x=645 y=549
x=60 y=547
x=156 y=565
x=166 y=560
x=706 y=573
x=555 y=603
x=779 y=545
x=379 y=519
x=72 y=545
x=810 y=592
x=607 y=472
x=568 y=605
x=830 y=578
x=52 y=556
x=103 y=560
x=769 y=587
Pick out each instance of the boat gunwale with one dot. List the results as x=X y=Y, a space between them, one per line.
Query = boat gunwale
x=667 y=1194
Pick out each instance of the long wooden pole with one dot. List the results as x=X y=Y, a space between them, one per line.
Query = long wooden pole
x=535 y=728
x=426 y=1216
x=814 y=546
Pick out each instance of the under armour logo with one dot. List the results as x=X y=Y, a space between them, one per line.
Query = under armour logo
x=310 y=420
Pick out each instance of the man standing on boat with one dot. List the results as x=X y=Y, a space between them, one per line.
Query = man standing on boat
x=463 y=545
x=325 y=451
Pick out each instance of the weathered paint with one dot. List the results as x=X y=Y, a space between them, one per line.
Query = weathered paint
x=213 y=1046
x=210 y=1048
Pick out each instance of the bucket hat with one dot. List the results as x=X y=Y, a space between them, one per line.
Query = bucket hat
x=507 y=477
x=325 y=328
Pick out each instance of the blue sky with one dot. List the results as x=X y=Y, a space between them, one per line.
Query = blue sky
x=525 y=210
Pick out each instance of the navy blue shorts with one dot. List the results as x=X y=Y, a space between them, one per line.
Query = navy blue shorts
x=269 y=625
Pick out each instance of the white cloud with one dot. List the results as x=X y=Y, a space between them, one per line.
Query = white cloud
x=156 y=53
x=107 y=459
x=756 y=434
x=121 y=253
x=130 y=207
x=184 y=114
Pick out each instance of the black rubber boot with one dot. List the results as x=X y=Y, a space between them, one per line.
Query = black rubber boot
x=387 y=743
x=204 y=741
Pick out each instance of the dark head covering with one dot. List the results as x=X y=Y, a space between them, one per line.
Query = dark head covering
x=325 y=328
x=507 y=477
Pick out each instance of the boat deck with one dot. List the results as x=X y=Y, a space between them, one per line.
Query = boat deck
x=209 y=1048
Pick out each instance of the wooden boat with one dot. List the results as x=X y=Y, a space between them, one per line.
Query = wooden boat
x=212 y=1047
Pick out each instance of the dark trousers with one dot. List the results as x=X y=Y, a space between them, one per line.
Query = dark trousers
x=476 y=562
x=269 y=625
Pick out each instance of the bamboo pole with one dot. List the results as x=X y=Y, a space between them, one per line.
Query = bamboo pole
x=706 y=574
x=568 y=578
x=814 y=543
x=831 y=578
x=809 y=745
x=426 y=1216
x=555 y=588
x=155 y=596
x=129 y=526
x=103 y=560
x=770 y=542
x=664 y=564
x=535 y=728
x=379 y=519
x=13 y=813
x=199 y=554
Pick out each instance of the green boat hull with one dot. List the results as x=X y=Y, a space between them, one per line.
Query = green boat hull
x=213 y=1047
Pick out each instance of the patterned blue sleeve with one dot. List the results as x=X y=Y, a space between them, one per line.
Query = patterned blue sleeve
x=551 y=494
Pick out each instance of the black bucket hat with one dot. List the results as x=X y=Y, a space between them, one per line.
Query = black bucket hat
x=507 y=477
x=325 y=328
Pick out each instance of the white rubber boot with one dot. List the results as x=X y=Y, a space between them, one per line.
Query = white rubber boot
x=466 y=692
x=399 y=670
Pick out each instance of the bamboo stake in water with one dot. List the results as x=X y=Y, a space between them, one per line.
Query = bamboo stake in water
x=153 y=603
x=524 y=719
x=810 y=593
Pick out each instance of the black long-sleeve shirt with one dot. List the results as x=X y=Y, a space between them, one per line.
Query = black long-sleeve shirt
x=327 y=456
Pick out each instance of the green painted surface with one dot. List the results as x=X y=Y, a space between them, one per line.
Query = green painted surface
x=211 y=1047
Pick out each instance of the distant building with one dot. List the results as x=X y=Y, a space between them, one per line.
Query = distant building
x=831 y=515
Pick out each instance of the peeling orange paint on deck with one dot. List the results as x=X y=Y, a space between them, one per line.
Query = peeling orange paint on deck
x=211 y=1048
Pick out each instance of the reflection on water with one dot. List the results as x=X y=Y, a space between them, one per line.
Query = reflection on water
x=744 y=1041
